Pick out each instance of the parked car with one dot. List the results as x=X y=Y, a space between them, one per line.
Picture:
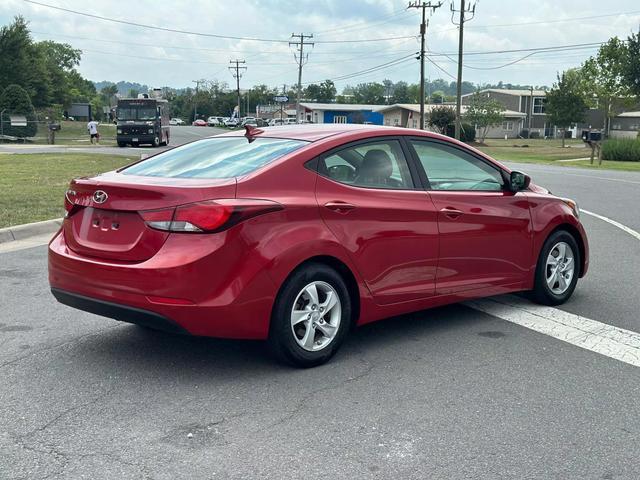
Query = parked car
x=275 y=122
x=249 y=121
x=213 y=121
x=199 y=123
x=176 y=121
x=408 y=220
x=231 y=122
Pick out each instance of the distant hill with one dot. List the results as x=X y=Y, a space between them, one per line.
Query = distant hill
x=123 y=87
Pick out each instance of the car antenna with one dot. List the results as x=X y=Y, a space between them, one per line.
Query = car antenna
x=251 y=132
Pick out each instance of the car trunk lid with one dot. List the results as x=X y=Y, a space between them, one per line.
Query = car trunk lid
x=105 y=222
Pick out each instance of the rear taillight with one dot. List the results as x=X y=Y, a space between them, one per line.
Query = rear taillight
x=69 y=203
x=208 y=216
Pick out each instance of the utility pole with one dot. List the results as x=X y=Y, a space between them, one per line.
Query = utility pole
x=195 y=99
x=301 y=58
x=236 y=70
x=423 y=31
x=463 y=11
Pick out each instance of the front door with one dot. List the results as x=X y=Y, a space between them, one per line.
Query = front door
x=368 y=199
x=485 y=230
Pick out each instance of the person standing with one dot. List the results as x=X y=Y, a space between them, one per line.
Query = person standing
x=92 y=127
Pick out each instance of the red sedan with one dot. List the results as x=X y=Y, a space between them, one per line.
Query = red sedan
x=199 y=123
x=294 y=234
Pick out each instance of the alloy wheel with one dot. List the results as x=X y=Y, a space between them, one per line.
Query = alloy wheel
x=560 y=268
x=316 y=316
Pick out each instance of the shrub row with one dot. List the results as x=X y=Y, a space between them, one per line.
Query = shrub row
x=621 y=149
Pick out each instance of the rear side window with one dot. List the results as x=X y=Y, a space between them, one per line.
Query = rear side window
x=375 y=165
x=222 y=157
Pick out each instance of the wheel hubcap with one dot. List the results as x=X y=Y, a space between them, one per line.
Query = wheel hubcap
x=315 y=316
x=560 y=268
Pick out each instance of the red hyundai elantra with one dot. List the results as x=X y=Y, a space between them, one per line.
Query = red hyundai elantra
x=294 y=234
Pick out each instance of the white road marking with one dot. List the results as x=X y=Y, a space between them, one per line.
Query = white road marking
x=622 y=227
x=613 y=342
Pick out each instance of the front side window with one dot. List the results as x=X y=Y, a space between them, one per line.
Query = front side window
x=448 y=168
x=221 y=157
x=375 y=165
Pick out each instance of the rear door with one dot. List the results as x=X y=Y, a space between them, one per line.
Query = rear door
x=369 y=200
x=485 y=230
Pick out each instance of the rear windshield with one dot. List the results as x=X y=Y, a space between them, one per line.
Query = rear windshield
x=221 y=157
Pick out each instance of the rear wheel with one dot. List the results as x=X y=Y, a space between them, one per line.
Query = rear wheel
x=311 y=316
x=557 y=269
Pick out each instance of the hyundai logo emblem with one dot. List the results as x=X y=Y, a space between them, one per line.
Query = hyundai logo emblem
x=100 y=196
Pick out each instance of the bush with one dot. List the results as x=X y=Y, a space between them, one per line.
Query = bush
x=15 y=101
x=467 y=133
x=621 y=149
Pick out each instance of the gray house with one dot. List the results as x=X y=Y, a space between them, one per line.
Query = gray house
x=408 y=115
x=529 y=103
x=625 y=125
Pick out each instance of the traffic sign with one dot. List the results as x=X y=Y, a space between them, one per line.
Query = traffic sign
x=281 y=98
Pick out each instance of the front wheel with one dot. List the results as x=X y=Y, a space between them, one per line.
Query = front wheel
x=557 y=269
x=156 y=142
x=311 y=316
x=122 y=144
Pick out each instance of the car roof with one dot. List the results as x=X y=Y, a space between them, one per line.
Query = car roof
x=312 y=132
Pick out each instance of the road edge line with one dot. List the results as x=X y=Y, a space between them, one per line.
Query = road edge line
x=610 y=221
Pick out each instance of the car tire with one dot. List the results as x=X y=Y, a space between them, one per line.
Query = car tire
x=297 y=309
x=122 y=144
x=156 y=142
x=557 y=269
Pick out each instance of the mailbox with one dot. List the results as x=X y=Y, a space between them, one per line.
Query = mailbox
x=590 y=136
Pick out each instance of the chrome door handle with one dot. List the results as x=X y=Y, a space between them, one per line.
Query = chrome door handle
x=451 y=212
x=340 y=207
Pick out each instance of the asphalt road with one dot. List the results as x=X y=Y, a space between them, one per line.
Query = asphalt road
x=179 y=136
x=443 y=394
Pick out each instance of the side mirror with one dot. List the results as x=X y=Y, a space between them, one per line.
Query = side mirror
x=518 y=181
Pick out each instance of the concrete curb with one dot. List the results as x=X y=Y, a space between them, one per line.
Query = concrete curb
x=21 y=232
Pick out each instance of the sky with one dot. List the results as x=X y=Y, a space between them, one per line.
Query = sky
x=355 y=41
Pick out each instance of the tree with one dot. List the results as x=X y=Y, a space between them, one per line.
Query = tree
x=631 y=65
x=371 y=93
x=437 y=97
x=21 y=64
x=565 y=103
x=483 y=112
x=401 y=93
x=440 y=117
x=328 y=91
x=603 y=80
x=14 y=100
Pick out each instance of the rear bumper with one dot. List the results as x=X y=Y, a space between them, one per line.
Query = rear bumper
x=124 y=313
x=200 y=285
x=142 y=138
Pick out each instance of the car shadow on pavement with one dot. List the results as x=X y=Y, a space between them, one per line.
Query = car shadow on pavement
x=135 y=348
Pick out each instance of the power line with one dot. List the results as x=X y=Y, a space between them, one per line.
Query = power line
x=368 y=23
x=200 y=34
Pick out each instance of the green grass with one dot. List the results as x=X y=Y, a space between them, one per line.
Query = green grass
x=32 y=186
x=549 y=152
x=75 y=133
